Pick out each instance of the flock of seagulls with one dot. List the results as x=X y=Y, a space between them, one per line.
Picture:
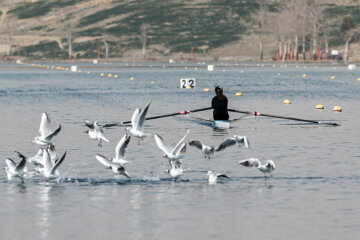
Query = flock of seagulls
x=47 y=164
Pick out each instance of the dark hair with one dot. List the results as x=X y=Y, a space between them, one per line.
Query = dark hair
x=218 y=88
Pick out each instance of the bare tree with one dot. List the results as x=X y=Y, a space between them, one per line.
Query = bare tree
x=144 y=30
x=260 y=17
x=106 y=50
x=316 y=14
x=9 y=28
x=68 y=30
x=349 y=31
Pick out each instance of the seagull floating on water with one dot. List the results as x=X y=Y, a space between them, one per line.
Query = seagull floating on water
x=96 y=132
x=46 y=134
x=137 y=123
x=214 y=176
x=175 y=153
x=114 y=166
x=241 y=140
x=14 y=169
x=268 y=167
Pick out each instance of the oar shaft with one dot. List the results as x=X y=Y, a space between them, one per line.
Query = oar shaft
x=174 y=114
x=281 y=117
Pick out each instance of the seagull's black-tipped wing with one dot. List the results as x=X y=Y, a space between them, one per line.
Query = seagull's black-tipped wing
x=226 y=143
x=196 y=143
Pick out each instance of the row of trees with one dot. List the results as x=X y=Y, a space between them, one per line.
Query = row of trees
x=304 y=26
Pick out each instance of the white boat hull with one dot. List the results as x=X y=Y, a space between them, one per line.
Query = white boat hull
x=221 y=124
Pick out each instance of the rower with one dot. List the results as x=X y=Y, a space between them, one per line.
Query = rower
x=219 y=103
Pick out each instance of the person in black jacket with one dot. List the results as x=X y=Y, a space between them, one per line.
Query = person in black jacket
x=219 y=103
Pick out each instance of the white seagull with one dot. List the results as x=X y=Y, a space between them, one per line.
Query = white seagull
x=176 y=169
x=96 y=132
x=207 y=150
x=50 y=166
x=175 y=153
x=37 y=159
x=214 y=176
x=114 y=166
x=268 y=167
x=46 y=134
x=120 y=150
x=241 y=140
x=137 y=123
x=14 y=169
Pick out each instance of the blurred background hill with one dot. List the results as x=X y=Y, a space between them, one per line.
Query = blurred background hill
x=180 y=29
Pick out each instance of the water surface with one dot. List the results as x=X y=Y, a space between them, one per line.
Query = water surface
x=313 y=193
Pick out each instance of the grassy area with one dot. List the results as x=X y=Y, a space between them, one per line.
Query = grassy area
x=45 y=49
x=40 y=8
x=177 y=25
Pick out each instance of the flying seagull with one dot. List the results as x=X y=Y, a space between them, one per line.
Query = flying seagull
x=174 y=153
x=242 y=141
x=96 y=132
x=207 y=150
x=46 y=134
x=268 y=167
x=114 y=166
x=137 y=123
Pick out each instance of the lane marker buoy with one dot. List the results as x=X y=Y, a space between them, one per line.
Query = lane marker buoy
x=337 y=109
x=286 y=101
x=319 y=106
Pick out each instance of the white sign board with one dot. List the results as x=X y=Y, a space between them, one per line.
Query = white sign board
x=334 y=52
x=187 y=82
x=210 y=67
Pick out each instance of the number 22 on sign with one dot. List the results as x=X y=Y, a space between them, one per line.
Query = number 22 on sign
x=187 y=82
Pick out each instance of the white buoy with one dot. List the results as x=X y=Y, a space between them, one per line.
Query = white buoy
x=351 y=66
x=95 y=61
x=74 y=68
x=210 y=67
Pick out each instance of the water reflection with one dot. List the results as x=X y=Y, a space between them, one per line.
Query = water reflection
x=136 y=215
x=47 y=191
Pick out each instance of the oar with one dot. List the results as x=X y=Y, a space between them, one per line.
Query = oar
x=282 y=117
x=174 y=114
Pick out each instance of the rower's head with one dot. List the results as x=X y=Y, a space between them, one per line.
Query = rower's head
x=218 y=90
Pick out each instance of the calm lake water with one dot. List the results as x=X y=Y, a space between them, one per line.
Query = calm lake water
x=313 y=194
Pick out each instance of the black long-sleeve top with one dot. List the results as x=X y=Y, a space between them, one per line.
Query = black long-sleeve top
x=220 y=108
